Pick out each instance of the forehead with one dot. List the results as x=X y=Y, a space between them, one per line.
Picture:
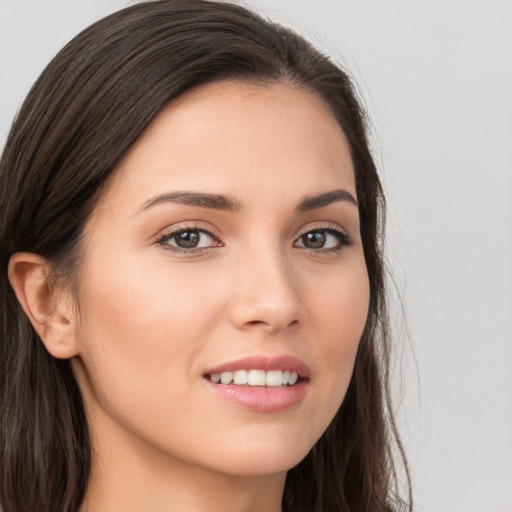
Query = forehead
x=230 y=135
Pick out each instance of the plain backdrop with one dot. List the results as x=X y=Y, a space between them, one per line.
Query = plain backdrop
x=436 y=79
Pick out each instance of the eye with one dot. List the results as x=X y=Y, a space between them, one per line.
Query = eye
x=188 y=239
x=324 y=239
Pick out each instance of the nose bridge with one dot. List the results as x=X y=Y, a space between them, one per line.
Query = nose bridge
x=267 y=290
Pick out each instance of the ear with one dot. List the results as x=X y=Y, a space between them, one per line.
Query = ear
x=49 y=307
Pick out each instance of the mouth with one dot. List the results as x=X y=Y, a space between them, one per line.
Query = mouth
x=261 y=384
x=255 y=377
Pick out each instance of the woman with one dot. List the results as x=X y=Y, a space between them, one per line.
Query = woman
x=193 y=308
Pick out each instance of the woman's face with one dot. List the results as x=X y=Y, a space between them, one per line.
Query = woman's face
x=226 y=246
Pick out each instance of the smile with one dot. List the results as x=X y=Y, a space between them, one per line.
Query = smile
x=261 y=384
x=272 y=378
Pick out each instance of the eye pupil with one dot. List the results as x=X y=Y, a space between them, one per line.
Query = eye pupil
x=314 y=240
x=187 y=239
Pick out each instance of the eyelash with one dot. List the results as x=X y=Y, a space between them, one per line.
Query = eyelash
x=343 y=238
x=161 y=240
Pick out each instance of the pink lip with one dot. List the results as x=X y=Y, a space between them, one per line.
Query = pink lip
x=264 y=363
x=263 y=398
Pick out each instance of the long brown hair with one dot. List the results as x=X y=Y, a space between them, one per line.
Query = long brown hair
x=91 y=103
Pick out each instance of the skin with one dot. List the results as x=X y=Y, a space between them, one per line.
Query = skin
x=152 y=321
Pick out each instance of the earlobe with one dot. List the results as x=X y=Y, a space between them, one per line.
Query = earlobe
x=49 y=307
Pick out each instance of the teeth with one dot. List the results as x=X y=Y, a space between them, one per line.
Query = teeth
x=240 y=377
x=272 y=378
x=226 y=377
x=256 y=378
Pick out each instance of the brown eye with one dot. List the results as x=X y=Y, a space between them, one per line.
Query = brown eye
x=191 y=239
x=323 y=240
x=314 y=240
x=187 y=239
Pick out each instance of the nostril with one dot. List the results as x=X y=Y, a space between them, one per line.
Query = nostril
x=273 y=326
x=268 y=315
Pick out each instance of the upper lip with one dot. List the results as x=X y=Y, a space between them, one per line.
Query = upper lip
x=284 y=362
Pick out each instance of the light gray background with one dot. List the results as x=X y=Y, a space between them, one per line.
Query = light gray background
x=436 y=77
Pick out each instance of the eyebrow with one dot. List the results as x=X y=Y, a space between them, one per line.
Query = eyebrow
x=228 y=203
x=325 y=199
x=212 y=201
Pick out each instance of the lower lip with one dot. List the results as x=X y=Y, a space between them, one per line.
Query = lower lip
x=262 y=398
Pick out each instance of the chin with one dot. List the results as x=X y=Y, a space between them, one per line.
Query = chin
x=259 y=459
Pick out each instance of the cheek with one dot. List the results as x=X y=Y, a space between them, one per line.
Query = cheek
x=141 y=329
x=338 y=323
x=143 y=302
x=339 y=305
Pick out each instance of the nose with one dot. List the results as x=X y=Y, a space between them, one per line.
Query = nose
x=266 y=295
